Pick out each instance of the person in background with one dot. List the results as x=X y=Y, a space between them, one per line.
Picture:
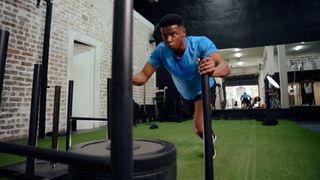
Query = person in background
x=309 y=92
x=186 y=58
x=245 y=100
x=256 y=102
x=273 y=98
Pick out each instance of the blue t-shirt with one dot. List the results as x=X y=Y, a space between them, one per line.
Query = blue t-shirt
x=184 y=71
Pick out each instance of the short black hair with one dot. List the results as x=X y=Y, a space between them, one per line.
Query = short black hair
x=171 y=19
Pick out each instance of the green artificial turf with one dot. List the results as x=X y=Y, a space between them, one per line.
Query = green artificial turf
x=245 y=149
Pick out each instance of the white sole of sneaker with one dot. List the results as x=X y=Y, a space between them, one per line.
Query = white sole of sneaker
x=214 y=138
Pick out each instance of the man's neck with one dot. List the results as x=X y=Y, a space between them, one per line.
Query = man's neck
x=179 y=52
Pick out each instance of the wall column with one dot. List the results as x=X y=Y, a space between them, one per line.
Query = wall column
x=261 y=85
x=270 y=59
x=283 y=76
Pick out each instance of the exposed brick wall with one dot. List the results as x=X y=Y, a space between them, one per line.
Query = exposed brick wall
x=26 y=23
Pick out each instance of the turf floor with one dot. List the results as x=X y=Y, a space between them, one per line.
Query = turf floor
x=245 y=149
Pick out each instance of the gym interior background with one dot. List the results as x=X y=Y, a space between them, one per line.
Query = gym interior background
x=257 y=38
x=86 y=32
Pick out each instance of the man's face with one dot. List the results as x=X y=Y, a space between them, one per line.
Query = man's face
x=173 y=36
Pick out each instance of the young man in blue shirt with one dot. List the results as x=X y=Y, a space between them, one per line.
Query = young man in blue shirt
x=180 y=54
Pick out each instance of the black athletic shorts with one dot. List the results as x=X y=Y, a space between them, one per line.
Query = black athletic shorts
x=190 y=103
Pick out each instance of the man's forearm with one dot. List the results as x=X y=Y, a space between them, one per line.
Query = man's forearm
x=139 y=79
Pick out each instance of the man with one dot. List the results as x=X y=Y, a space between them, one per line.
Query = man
x=245 y=100
x=180 y=54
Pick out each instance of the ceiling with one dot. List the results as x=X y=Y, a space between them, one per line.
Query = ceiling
x=244 y=24
x=249 y=56
x=254 y=56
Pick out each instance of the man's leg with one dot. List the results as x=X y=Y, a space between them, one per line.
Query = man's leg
x=198 y=118
x=198 y=123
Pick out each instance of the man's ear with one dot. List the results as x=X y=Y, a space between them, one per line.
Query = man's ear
x=184 y=31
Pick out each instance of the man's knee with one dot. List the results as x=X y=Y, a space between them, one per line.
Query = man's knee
x=199 y=133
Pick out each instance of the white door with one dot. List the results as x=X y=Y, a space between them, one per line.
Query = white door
x=82 y=73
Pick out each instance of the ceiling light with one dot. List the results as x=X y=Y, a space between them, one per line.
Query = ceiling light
x=240 y=63
x=297 y=48
x=273 y=82
x=236 y=49
x=237 y=55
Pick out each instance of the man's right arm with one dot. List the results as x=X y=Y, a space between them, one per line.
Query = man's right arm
x=143 y=76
